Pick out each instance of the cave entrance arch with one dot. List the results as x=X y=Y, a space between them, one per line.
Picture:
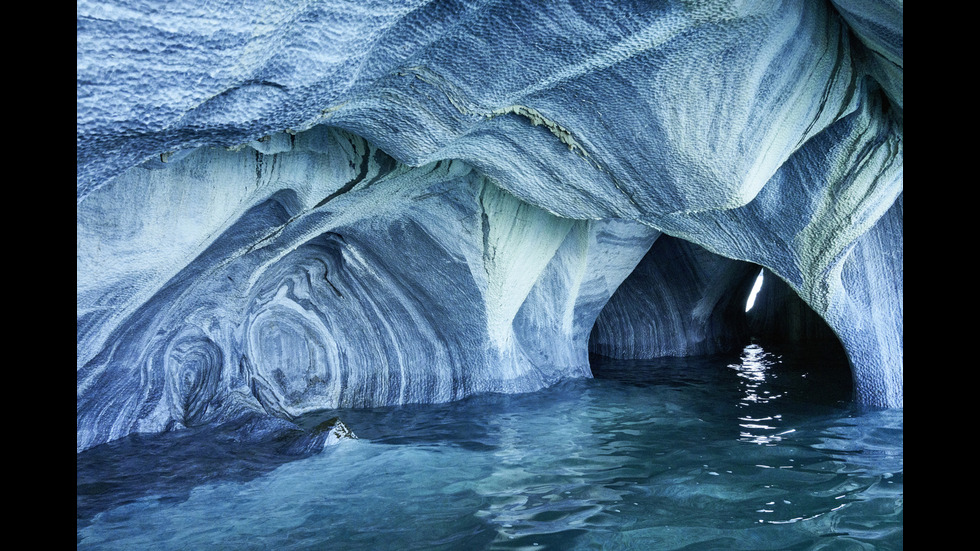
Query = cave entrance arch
x=682 y=300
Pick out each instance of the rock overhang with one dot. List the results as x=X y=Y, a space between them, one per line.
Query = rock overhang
x=734 y=126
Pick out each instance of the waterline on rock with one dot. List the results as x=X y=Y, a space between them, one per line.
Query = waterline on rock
x=656 y=456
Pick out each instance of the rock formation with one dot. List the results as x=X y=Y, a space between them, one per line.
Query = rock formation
x=287 y=207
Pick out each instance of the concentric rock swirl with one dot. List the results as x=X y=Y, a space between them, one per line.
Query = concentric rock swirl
x=290 y=207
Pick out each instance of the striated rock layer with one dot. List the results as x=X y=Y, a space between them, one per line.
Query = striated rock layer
x=289 y=207
x=370 y=283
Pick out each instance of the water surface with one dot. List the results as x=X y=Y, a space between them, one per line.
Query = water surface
x=757 y=450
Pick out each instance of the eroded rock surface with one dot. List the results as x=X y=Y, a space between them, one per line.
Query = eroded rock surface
x=286 y=207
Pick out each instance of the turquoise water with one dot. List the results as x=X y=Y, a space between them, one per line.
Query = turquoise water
x=758 y=450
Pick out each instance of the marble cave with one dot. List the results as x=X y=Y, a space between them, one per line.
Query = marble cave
x=290 y=207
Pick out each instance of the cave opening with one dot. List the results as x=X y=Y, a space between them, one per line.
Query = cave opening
x=756 y=287
x=684 y=305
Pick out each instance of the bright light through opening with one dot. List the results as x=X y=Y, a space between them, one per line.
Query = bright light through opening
x=755 y=291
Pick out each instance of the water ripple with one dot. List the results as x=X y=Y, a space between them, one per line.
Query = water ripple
x=602 y=463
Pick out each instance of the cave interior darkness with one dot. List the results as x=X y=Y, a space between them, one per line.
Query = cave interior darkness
x=660 y=303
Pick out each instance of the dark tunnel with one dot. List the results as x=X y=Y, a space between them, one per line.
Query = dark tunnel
x=685 y=301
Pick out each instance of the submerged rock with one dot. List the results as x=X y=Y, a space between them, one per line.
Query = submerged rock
x=284 y=208
x=334 y=431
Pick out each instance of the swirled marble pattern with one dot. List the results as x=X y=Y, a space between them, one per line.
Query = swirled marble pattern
x=284 y=207
x=388 y=285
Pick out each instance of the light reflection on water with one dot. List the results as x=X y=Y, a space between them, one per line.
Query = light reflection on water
x=754 y=374
x=671 y=454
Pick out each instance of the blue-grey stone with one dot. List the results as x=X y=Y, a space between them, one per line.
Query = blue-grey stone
x=286 y=207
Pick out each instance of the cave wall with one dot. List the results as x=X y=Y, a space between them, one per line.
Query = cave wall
x=373 y=284
x=285 y=206
x=812 y=226
x=871 y=291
